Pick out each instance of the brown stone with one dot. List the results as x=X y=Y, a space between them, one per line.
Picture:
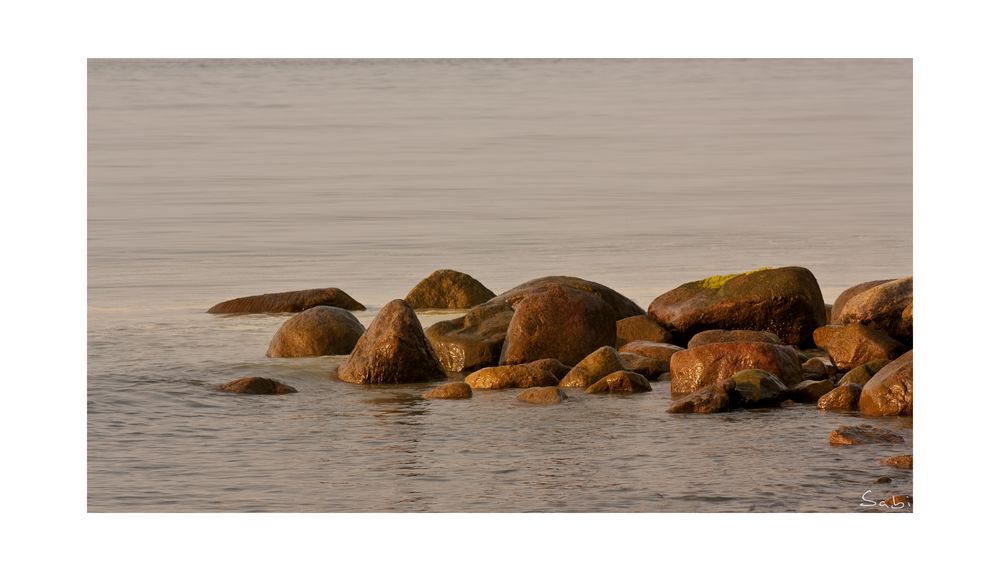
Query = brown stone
x=754 y=388
x=843 y=397
x=785 y=301
x=815 y=369
x=448 y=289
x=257 y=386
x=450 y=391
x=883 y=480
x=887 y=307
x=557 y=322
x=736 y=336
x=288 y=302
x=593 y=368
x=320 y=330
x=542 y=395
x=713 y=398
x=621 y=306
x=810 y=391
x=863 y=434
x=393 y=350
x=553 y=366
x=620 y=382
x=473 y=340
x=853 y=345
x=646 y=366
x=862 y=374
x=903 y=462
x=890 y=391
x=640 y=328
x=847 y=294
x=510 y=377
x=662 y=351
x=694 y=368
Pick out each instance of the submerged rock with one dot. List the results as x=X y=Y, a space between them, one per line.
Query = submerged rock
x=557 y=322
x=640 y=328
x=694 y=368
x=288 y=302
x=592 y=368
x=450 y=391
x=620 y=382
x=785 y=301
x=448 y=289
x=542 y=395
x=393 y=350
x=887 y=307
x=903 y=462
x=863 y=434
x=890 y=391
x=473 y=340
x=257 y=386
x=706 y=400
x=853 y=345
x=320 y=330
x=510 y=377
x=621 y=306
x=843 y=397
x=735 y=336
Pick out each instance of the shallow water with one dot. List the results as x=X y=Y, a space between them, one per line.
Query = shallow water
x=214 y=179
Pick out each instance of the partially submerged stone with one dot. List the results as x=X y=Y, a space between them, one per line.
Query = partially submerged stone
x=733 y=336
x=510 y=377
x=843 y=397
x=701 y=366
x=542 y=395
x=706 y=400
x=620 y=382
x=288 y=302
x=450 y=391
x=320 y=330
x=854 y=344
x=257 y=386
x=890 y=391
x=640 y=328
x=621 y=306
x=863 y=434
x=903 y=462
x=393 y=350
x=448 y=289
x=754 y=388
x=592 y=368
x=553 y=366
x=473 y=340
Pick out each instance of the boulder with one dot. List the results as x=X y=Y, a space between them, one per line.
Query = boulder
x=843 y=397
x=713 y=398
x=646 y=366
x=450 y=391
x=448 y=289
x=815 y=369
x=847 y=294
x=557 y=322
x=862 y=374
x=553 y=366
x=785 y=301
x=620 y=382
x=473 y=340
x=853 y=345
x=887 y=307
x=320 y=330
x=593 y=368
x=692 y=369
x=393 y=350
x=288 y=302
x=621 y=306
x=662 y=351
x=510 y=377
x=903 y=462
x=753 y=388
x=737 y=336
x=640 y=328
x=257 y=386
x=810 y=391
x=890 y=391
x=542 y=395
x=863 y=434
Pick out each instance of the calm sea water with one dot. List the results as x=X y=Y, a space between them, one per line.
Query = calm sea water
x=216 y=179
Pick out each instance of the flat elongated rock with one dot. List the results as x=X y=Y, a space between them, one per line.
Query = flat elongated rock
x=510 y=377
x=288 y=302
x=393 y=350
x=887 y=307
x=853 y=345
x=557 y=322
x=847 y=294
x=620 y=382
x=843 y=397
x=661 y=351
x=706 y=400
x=640 y=328
x=890 y=391
x=450 y=391
x=473 y=340
x=593 y=368
x=863 y=434
x=621 y=306
x=734 y=336
x=542 y=395
x=862 y=374
x=320 y=330
x=448 y=289
x=695 y=368
x=903 y=462
x=257 y=386
x=785 y=301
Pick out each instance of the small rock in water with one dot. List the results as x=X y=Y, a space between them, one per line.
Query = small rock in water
x=844 y=397
x=593 y=368
x=883 y=480
x=904 y=461
x=863 y=434
x=257 y=386
x=710 y=399
x=511 y=377
x=450 y=391
x=620 y=382
x=542 y=395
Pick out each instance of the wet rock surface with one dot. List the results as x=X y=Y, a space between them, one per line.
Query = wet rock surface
x=288 y=302
x=393 y=350
x=320 y=330
x=448 y=289
x=257 y=386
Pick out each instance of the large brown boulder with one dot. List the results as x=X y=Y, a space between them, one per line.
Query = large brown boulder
x=288 y=302
x=393 y=350
x=861 y=374
x=844 y=397
x=473 y=340
x=784 y=301
x=511 y=377
x=620 y=382
x=887 y=307
x=640 y=328
x=662 y=351
x=737 y=336
x=853 y=345
x=450 y=391
x=621 y=306
x=542 y=395
x=257 y=386
x=694 y=368
x=448 y=289
x=847 y=294
x=706 y=400
x=558 y=322
x=320 y=330
x=890 y=391
x=591 y=369
x=863 y=434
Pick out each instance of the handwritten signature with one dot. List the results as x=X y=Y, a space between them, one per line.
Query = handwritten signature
x=897 y=502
